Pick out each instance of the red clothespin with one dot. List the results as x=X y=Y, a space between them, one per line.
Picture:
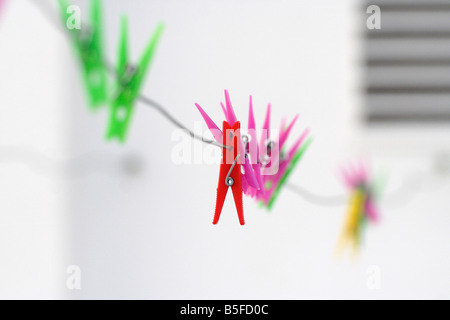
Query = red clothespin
x=230 y=171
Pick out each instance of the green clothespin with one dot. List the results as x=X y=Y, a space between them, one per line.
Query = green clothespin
x=130 y=80
x=88 y=42
x=289 y=170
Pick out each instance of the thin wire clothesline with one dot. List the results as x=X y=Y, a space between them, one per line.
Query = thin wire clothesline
x=45 y=9
x=323 y=200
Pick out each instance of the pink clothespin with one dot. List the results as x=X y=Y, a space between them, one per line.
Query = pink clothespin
x=358 y=177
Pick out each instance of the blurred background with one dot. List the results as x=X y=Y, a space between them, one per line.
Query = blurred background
x=135 y=224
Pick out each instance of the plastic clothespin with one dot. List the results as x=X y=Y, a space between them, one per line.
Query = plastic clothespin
x=355 y=219
x=230 y=172
x=361 y=209
x=256 y=165
x=357 y=178
x=130 y=80
x=88 y=42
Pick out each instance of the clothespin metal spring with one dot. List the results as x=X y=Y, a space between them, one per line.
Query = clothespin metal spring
x=228 y=180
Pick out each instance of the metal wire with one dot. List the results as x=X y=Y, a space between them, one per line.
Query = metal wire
x=321 y=200
x=178 y=124
x=47 y=11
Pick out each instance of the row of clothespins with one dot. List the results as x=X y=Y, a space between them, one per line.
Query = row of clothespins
x=88 y=43
x=257 y=168
x=129 y=78
x=261 y=168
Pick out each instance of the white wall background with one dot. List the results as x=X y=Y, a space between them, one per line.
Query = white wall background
x=148 y=233
x=33 y=148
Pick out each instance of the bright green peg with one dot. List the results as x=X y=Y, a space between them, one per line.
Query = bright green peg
x=130 y=81
x=88 y=42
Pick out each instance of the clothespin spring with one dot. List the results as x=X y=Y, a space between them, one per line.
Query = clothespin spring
x=228 y=180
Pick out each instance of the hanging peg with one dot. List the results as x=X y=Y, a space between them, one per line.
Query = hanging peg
x=362 y=207
x=88 y=42
x=130 y=80
x=230 y=171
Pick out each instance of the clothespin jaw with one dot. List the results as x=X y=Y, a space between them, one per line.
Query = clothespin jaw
x=88 y=42
x=230 y=172
x=130 y=80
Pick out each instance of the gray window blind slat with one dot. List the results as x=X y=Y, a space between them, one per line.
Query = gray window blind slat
x=407 y=63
